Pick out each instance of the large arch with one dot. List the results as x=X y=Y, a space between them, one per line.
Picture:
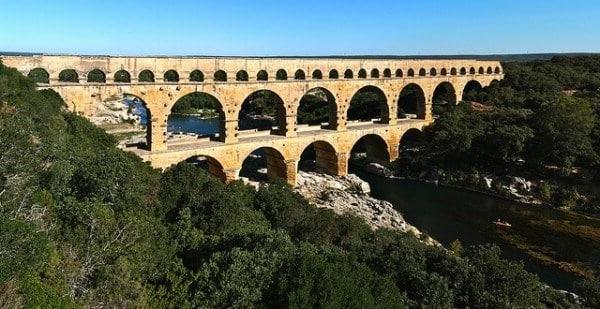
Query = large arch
x=316 y=107
x=263 y=110
x=471 y=89
x=444 y=98
x=210 y=164
x=320 y=156
x=197 y=113
x=140 y=108
x=368 y=103
x=410 y=141
x=122 y=76
x=39 y=75
x=264 y=163
x=68 y=76
x=370 y=148
x=412 y=102
x=146 y=76
x=96 y=76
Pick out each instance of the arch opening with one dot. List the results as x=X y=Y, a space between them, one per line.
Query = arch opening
x=422 y=72
x=140 y=120
x=472 y=70
x=489 y=70
x=387 y=73
x=321 y=157
x=299 y=75
x=281 y=75
x=264 y=164
x=209 y=164
x=317 y=74
x=333 y=74
x=348 y=74
x=220 y=76
x=444 y=98
x=409 y=143
x=463 y=71
x=497 y=70
x=362 y=73
x=481 y=70
x=196 y=115
x=410 y=73
x=399 y=73
x=146 y=76
x=196 y=76
x=262 y=110
x=432 y=72
x=317 y=108
x=39 y=76
x=262 y=75
x=370 y=148
x=241 y=76
x=411 y=103
x=68 y=76
x=122 y=76
x=171 y=76
x=453 y=71
x=369 y=104
x=96 y=76
x=375 y=73
x=471 y=90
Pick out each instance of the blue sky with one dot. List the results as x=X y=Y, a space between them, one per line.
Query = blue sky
x=301 y=27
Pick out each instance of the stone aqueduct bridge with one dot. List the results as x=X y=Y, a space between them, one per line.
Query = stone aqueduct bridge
x=232 y=79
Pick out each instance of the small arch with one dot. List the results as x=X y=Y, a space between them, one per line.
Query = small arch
x=453 y=71
x=171 y=76
x=444 y=72
x=262 y=75
x=497 y=70
x=264 y=163
x=489 y=70
x=299 y=75
x=387 y=73
x=122 y=76
x=463 y=71
x=432 y=72
x=241 y=76
x=422 y=72
x=348 y=74
x=316 y=107
x=375 y=73
x=196 y=76
x=333 y=74
x=399 y=73
x=39 y=76
x=481 y=70
x=320 y=156
x=411 y=102
x=96 y=76
x=410 y=73
x=220 y=76
x=281 y=75
x=472 y=70
x=146 y=76
x=362 y=73
x=317 y=74
x=68 y=76
x=369 y=103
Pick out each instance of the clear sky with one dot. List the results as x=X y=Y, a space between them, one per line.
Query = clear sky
x=300 y=27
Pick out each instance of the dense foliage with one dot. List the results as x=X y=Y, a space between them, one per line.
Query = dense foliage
x=83 y=224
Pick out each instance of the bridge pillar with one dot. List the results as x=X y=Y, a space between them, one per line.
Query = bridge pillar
x=428 y=108
x=230 y=132
x=338 y=122
x=231 y=174
x=342 y=163
x=156 y=136
x=290 y=126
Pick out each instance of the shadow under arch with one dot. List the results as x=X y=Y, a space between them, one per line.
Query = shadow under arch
x=370 y=148
x=409 y=140
x=262 y=110
x=411 y=102
x=320 y=156
x=317 y=107
x=39 y=75
x=210 y=164
x=263 y=164
x=471 y=89
x=444 y=98
x=368 y=104
x=199 y=114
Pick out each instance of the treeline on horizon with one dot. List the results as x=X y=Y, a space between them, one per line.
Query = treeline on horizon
x=84 y=224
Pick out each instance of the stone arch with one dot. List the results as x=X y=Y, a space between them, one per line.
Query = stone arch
x=375 y=73
x=412 y=102
x=140 y=108
x=497 y=70
x=262 y=75
x=489 y=70
x=210 y=164
x=220 y=76
x=410 y=73
x=362 y=73
x=299 y=75
x=371 y=148
x=463 y=71
x=422 y=72
x=68 y=76
x=333 y=74
x=481 y=70
x=321 y=157
x=317 y=74
x=196 y=76
x=348 y=74
x=263 y=110
x=317 y=105
x=96 y=76
x=39 y=75
x=472 y=70
x=387 y=73
x=281 y=75
x=432 y=72
x=453 y=71
x=444 y=72
x=368 y=103
x=399 y=73
x=471 y=89
x=122 y=76
x=205 y=105
x=444 y=98
x=269 y=158
x=241 y=76
x=146 y=76
x=171 y=76
x=409 y=140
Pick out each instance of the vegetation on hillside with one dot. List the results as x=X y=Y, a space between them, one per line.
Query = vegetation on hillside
x=84 y=224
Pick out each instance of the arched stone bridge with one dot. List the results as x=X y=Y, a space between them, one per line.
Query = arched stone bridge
x=85 y=82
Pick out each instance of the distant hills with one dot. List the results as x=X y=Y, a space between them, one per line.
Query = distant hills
x=500 y=57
